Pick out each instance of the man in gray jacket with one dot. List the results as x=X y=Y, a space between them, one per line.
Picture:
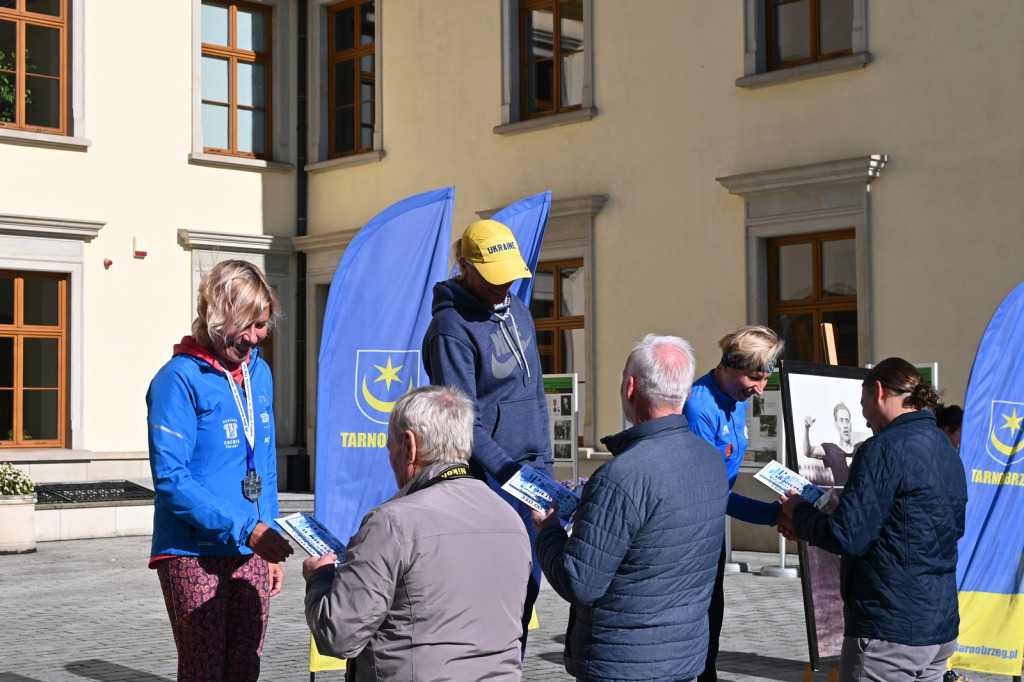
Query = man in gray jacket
x=433 y=583
x=639 y=567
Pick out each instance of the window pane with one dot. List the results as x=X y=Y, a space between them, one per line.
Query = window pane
x=42 y=302
x=539 y=34
x=215 y=23
x=546 y=349
x=252 y=84
x=844 y=327
x=798 y=333
x=40 y=363
x=792 y=31
x=42 y=101
x=49 y=7
x=344 y=83
x=252 y=131
x=215 y=126
x=835 y=23
x=8 y=4
x=367 y=19
x=539 y=87
x=542 y=300
x=6 y=300
x=251 y=30
x=570 y=25
x=8 y=94
x=572 y=291
x=795 y=276
x=39 y=416
x=838 y=268
x=215 y=79
x=42 y=50
x=6 y=415
x=366 y=90
x=344 y=29
x=344 y=130
x=366 y=65
x=572 y=80
x=366 y=135
x=6 y=362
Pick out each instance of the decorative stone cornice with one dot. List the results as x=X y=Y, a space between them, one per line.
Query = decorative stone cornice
x=49 y=228
x=195 y=240
x=588 y=204
x=330 y=241
x=859 y=169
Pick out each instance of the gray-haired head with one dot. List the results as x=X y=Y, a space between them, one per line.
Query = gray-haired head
x=442 y=419
x=663 y=369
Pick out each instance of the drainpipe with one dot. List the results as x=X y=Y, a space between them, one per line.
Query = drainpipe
x=301 y=229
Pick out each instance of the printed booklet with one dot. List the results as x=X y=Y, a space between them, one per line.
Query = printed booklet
x=780 y=479
x=538 y=491
x=312 y=535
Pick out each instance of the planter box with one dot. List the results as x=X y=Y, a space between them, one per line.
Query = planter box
x=17 y=524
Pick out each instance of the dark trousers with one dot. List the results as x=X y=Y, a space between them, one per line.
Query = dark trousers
x=716 y=613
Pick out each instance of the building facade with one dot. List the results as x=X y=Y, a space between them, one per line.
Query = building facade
x=786 y=162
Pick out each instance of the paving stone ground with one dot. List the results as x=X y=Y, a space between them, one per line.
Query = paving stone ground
x=91 y=610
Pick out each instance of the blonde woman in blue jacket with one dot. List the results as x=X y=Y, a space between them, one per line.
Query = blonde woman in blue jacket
x=216 y=548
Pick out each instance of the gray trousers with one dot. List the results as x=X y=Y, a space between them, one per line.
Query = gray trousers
x=876 y=660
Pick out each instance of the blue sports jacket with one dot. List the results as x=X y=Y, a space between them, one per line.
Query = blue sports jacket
x=722 y=421
x=197 y=455
x=896 y=530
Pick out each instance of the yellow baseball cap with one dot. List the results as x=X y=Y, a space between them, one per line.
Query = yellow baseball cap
x=493 y=251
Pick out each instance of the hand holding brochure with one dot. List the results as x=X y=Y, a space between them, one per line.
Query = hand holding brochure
x=780 y=479
x=312 y=535
x=539 y=491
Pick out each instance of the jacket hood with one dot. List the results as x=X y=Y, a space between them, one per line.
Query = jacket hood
x=451 y=294
x=189 y=346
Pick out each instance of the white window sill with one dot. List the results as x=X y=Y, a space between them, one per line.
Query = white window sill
x=48 y=140
x=545 y=122
x=346 y=161
x=804 y=72
x=238 y=163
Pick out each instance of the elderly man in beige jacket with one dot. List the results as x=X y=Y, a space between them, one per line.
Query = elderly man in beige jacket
x=432 y=585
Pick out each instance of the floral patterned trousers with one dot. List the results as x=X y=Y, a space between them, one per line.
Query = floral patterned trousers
x=218 y=606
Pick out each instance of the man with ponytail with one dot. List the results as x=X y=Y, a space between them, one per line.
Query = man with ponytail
x=896 y=530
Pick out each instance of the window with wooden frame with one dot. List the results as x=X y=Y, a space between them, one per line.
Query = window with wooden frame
x=33 y=348
x=236 y=78
x=352 y=76
x=551 y=56
x=557 y=306
x=806 y=31
x=34 y=65
x=812 y=279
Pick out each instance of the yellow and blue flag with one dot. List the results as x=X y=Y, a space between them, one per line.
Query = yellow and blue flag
x=377 y=312
x=990 y=572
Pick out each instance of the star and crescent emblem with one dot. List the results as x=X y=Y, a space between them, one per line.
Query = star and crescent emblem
x=1006 y=435
x=383 y=377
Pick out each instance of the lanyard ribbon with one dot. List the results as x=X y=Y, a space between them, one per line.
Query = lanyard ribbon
x=248 y=423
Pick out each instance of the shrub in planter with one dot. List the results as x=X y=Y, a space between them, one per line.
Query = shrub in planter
x=14 y=481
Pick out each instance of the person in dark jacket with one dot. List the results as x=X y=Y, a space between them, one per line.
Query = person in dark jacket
x=481 y=340
x=640 y=565
x=896 y=530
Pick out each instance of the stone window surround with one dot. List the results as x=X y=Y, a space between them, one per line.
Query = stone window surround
x=75 y=140
x=511 y=124
x=44 y=244
x=280 y=87
x=817 y=197
x=318 y=126
x=755 y=57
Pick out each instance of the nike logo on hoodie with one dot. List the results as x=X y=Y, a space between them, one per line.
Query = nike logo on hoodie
x=502 y=368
